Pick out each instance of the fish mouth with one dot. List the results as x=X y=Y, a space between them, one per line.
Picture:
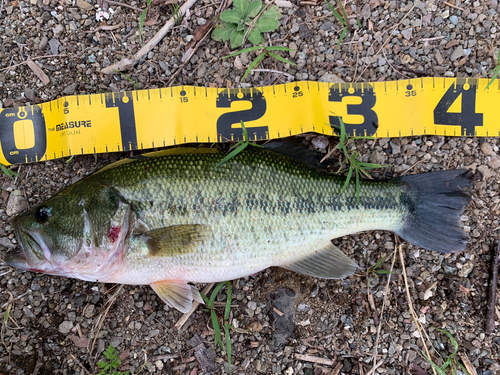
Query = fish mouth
x=32 y=251
x=17 y=259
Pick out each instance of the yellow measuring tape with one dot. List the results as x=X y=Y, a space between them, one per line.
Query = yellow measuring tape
x=133 y=120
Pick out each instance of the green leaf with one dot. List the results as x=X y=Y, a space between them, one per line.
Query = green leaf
x=215 y=292
x=241 y=27
x=254 y=36
x=228 y=345
x=253 y=64
x=273 y=12
x=348 y=179
x=240 y=6
x=276 y=48
x=8 y=172
x=229 y=293
x=266 y=24
x=253 y=9
x=243 y=51
x=237 y=38
x=341 y=37
x=282 y=59
x=232 y=16
x=497 y=70
x=223 y=31
x=215 y=324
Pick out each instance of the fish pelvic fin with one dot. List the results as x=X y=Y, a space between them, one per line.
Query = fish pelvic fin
x=175 y=239
x=326 y=263
x=177 y=294
x=435 y=202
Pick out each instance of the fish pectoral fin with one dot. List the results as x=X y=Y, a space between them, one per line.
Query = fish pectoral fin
x=327 y=263
x=176 y=239
x=177 y=294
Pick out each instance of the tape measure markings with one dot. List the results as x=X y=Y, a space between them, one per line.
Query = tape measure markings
x=130 y=120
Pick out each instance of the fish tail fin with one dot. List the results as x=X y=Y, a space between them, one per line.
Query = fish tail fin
x=435 y=202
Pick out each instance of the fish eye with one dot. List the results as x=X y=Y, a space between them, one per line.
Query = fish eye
x=42 y=214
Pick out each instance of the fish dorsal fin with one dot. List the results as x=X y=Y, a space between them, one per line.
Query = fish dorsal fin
x=327 y=263
x=295 y=148
x=156 y=154
x=177 y=294
x=176 y=239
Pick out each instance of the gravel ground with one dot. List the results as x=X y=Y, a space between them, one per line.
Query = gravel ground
x=52 y=320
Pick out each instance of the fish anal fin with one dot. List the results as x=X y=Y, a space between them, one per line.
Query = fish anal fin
x=177 y=294
x=176 y=239
x=327 y=263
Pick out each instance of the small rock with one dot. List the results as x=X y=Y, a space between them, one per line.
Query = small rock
x=486 y=148
x=457 y=53
x=84 y=5
x=71 y=89
x=320 y=142
x=252 y=305
x=293 y=47
x=43 y=43
x=237 y=63
x=439 y=58
x=201 y=21
x=54 y=46
x=5 y=242
x=454 y=20
x=407 y=34
x=332 y=78
x=396 y=146
x=485 y=171
x=377 y=157
x=383 y=141
x=466 y=269
x=327 y=26
x=58 y=30
x=29 y=93
x=256 y=327
x=16 y=203
x=494 y=163
x=89 y=311
x=202 y=70
x=66 y=326
x=438 y=21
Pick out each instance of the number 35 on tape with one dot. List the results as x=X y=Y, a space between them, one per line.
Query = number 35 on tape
x=144 y=119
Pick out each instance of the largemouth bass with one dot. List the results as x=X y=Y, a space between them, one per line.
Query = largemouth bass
x=171 y=218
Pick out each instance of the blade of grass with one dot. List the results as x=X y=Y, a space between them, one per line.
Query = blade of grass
x=254 y=63
x=282 y=59
x=215 y=292
x=232 y=154
x=342 y=36
x=228 y=345
x=8 y=172
x=243 y=51
x=277 y=48
x=229 y=300
x=215 y=324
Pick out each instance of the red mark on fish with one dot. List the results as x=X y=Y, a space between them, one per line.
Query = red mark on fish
x=114 y=232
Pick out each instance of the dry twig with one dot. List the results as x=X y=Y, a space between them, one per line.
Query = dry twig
x=103 y=314
x=127 y=63
x=410 y=306
x=313 y=359
x=375 y=349
x=117 y=3
x=492 y=291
